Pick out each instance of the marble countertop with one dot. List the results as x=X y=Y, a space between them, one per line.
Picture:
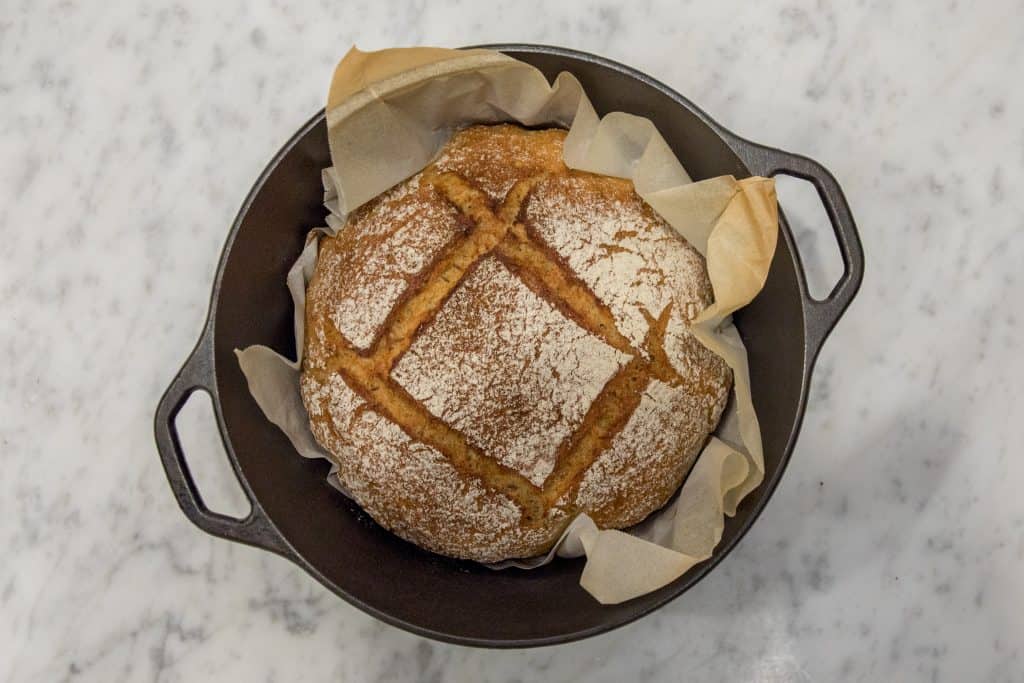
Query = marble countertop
x=894 y=547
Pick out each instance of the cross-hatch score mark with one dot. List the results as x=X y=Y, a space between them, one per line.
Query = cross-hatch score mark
x=498 y=232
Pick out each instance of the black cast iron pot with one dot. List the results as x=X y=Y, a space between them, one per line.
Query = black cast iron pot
x=295 y=513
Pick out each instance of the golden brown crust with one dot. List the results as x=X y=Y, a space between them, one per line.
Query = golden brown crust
x=499 y=343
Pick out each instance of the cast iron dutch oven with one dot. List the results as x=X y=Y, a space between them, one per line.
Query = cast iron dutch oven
x=296 y=514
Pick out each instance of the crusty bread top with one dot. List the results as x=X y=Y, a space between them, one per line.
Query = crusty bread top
x=524 y=328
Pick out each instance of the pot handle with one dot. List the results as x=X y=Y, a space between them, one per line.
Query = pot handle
x=197 y=375
x=821 y=315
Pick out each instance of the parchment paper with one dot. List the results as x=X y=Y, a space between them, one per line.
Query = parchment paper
x=388 y=115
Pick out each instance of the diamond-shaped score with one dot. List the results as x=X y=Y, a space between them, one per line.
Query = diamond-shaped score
x=511 y=373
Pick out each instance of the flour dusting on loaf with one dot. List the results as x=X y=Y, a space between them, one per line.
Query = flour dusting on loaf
x=370 y=268
x=500 y=343
x=505 y=367
x=445 y=511
x=617 y=245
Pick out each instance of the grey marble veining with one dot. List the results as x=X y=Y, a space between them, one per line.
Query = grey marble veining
x=892 y=550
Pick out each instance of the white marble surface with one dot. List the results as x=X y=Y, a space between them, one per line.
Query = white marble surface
x=894 y=547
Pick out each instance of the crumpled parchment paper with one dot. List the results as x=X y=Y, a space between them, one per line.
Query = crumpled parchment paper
x=388 y=115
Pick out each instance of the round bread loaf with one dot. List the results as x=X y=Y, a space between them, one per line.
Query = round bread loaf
x=499 y=343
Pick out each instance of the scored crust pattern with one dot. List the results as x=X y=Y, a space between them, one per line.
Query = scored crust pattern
x=638 y=370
